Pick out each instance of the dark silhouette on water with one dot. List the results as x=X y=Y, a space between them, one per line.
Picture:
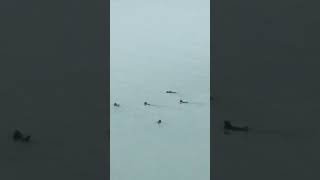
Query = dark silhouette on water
x=116 y=105
x=181 y=101
x=146 y=104
x=26 y=139
x=18 y=136
x=173 y=92
x=159 y=122
x=229 y=126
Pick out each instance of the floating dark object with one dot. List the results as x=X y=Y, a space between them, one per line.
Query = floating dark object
x=146 y=104
x=26 y=139
x=171 y=92
x=116 y=105
x=229 y=126
x=18 y=136
x=159 y=121
x=181 y=101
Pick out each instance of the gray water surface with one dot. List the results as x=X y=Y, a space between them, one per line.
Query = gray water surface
x=158 y=46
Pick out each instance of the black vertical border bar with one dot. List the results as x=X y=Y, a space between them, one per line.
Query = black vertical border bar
x=39 y=43
x=107 y=2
